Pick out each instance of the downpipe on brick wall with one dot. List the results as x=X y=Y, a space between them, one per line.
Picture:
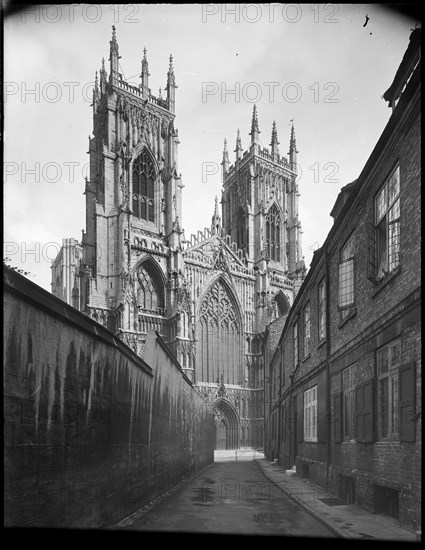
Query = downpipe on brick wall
x=328 y=378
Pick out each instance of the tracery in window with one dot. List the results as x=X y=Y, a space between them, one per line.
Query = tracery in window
x=144 y=187
x=219 y=337
x=273 y=233
x=150 y=295
x=242 y=235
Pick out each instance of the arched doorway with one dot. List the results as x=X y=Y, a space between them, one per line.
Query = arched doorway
x=226 y=425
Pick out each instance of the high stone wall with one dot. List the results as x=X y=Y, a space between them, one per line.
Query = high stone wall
x=92 y=432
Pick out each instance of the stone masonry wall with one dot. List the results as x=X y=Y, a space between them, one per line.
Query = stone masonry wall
x=91 y=432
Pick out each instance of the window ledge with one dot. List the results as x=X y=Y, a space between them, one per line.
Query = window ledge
x=353 y=313
x=322 y=343
x=306 y=357
x=385 y=280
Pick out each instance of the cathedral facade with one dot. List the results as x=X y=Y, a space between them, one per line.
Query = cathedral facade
x=210 y=296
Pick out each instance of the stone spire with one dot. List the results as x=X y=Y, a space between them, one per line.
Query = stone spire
x=171 y=79
x=238 y=149
x=171 y=87
x=293 y=149
x=113 y=57
x=225 y=162
x=255 y=132
x=103 y=77
x=216 y=218
x=95 y=93
x=144 y=76
x=275 y=142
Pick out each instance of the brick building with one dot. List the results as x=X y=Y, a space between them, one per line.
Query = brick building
x=344 y=385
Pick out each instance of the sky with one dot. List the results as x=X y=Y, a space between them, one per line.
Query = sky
x=323 y=66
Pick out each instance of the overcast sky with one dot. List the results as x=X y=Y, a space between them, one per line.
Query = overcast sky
x=325 y=66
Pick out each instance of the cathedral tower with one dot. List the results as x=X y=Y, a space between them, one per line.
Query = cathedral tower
x=133 y=205
x=211 y=296
x=260 y=208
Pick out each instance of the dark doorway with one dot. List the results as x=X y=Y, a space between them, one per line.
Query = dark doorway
x=347 y=489
x=385 y=501
x=293 y=447
x=226 y=425
x=221 y=434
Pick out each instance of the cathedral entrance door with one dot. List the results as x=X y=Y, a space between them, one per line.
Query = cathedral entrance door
x=221 y=434
x=226 y=424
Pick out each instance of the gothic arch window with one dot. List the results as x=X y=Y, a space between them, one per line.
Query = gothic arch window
x=150 y=291
x=241 y=230
x=144 y=187
x=219 y=337
x=273 y=233
x=283 y=305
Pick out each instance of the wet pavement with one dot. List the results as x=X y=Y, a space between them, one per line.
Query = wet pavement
x=232 y=496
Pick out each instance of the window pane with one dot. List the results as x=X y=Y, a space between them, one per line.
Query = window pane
x=395 y=354
x=151 y=210
x=143 y=185
x=394 y=212
x=381 y=241
x=393 y=245
x=136 y=187
x=394 y=401
x=136 y=206
x=383 y=361
x=394 y=186
x=381 y=204
x=383 y=387
x=150 y=188
x=346 y=283
x=347 y=251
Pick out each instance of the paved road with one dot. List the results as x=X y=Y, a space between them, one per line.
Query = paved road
x=232 y=498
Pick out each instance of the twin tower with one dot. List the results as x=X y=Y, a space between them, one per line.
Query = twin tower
x=212 y=296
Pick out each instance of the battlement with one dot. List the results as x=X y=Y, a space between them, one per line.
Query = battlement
x=265 y=153
x=262 y=153
x=138 y=92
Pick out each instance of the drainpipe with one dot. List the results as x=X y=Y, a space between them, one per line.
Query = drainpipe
x=328 y=377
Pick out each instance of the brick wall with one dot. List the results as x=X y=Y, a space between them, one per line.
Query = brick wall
x=382 y=312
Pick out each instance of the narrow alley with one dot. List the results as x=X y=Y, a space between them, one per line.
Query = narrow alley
x=232 y=496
